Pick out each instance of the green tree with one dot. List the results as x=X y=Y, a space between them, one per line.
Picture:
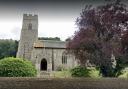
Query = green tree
x=49 y=38
x=8 y=48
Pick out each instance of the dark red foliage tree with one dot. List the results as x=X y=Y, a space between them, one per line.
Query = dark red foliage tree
x=124 y=42
x=100 y=33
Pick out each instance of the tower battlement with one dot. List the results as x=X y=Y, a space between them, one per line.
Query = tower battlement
x=30 y=16
x=30 y=19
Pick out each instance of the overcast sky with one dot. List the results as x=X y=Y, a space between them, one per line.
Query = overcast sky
x=56 y=19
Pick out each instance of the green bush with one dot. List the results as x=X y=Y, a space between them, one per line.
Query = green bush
x=16 y=67
x=85 y=72
x=124 y=73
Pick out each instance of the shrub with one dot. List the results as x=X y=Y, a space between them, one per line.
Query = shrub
x=124 y=73
x=16 y=67
x=85 y=72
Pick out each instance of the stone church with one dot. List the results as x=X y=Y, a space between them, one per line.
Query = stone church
x=46 y=55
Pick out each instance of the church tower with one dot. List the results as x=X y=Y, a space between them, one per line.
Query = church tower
x=29 y=34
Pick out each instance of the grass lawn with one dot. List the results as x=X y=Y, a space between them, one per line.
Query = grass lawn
x=61 y=74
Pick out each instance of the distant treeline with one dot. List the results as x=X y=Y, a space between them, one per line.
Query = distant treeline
x=8 y=48
x=50 y=38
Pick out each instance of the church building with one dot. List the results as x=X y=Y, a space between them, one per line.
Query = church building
x=46 y=55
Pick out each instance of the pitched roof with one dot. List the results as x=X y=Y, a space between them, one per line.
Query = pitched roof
x=49 y=44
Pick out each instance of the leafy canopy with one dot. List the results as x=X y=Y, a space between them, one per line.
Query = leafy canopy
x=8 y=48
x=102 y=32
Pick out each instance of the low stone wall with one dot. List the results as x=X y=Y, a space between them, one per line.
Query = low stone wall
x=73 y=83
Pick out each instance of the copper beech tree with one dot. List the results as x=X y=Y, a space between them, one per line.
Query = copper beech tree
x=100 y=34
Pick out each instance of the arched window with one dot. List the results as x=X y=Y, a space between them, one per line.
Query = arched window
x=64 y=58
x=30 y=26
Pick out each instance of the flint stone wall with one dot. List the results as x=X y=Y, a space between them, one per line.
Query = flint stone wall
x=72 y=83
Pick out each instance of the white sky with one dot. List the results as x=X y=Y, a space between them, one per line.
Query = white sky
x=63 y=29
x=54 y=19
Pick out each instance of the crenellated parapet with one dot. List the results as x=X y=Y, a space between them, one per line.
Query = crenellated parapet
x=30 y=16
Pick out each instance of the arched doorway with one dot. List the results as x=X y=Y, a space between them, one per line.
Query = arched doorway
x=43 y=65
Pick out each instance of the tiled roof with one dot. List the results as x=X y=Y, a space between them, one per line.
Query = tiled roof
x=49 y=44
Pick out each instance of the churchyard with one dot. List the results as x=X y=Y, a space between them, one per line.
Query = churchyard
x=95 y=58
